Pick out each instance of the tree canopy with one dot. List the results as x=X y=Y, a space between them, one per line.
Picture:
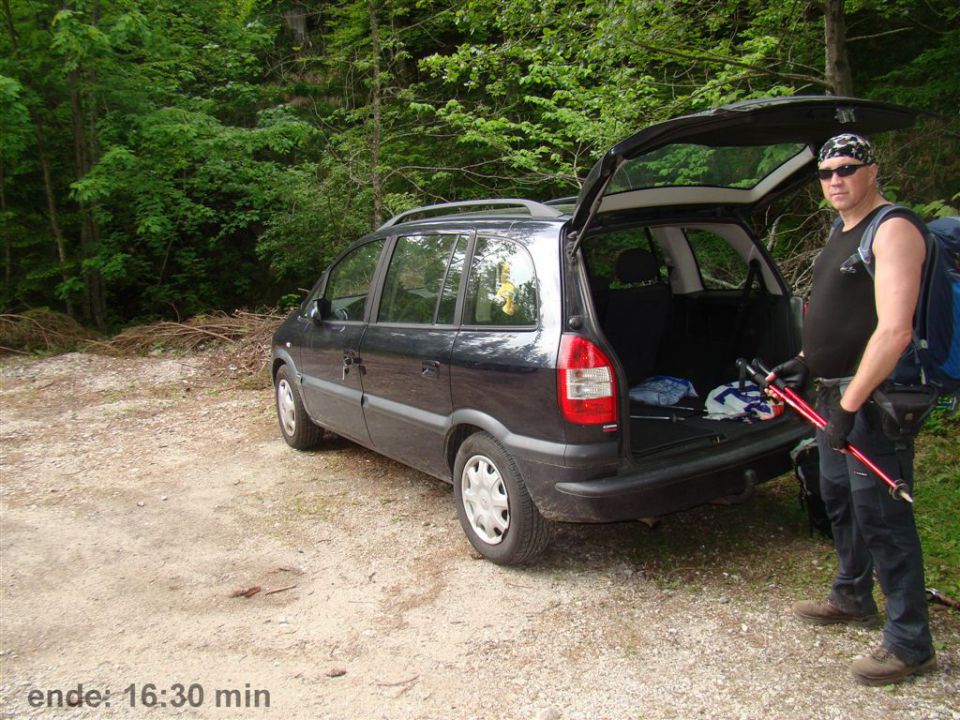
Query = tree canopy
x=161 y=158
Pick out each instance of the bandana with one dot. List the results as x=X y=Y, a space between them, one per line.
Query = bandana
x=848 y=145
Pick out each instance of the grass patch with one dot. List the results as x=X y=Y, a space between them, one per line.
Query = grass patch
x=937 y=509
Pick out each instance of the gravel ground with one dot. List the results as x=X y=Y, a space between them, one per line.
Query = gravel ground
x=138 y=495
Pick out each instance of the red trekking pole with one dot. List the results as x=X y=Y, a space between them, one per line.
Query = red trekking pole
x=898 y=488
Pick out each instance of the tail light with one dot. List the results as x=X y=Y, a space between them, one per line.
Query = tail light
x=586 y=383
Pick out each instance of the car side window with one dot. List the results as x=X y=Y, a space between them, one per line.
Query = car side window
x=349 y=282
x=721 y=267
x=414 y=280
x=501 y=286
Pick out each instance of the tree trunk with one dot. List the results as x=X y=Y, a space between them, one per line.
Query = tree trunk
x=52 y=210
x=98 y=291
x=295 y=20
x=7 y=243
x=839 y=79
x=47 y=182
x=93 y=283
x=377 y=118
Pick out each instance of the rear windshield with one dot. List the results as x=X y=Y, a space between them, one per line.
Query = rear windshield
x=687 y=165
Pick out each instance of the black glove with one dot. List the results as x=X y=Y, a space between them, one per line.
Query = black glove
x=793 y=373
x=839 y=425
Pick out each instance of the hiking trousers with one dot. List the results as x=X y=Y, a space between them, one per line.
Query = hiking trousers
x=874 y=531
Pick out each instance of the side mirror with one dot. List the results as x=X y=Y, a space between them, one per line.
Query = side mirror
x=318 y=309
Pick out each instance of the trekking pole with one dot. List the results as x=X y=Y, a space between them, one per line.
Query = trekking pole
x=898 y=488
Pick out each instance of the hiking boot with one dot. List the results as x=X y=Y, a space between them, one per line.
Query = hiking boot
x=822 y=612
x=882 y=667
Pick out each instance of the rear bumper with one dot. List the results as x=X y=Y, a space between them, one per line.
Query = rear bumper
x=665 y=485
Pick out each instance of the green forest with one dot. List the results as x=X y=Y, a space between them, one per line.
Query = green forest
x=164 y=158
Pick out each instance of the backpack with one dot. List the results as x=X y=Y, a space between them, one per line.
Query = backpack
x=933 y=359
x=806 y=466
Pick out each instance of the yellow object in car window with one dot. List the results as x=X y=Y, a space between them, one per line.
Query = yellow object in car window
x=506 y=292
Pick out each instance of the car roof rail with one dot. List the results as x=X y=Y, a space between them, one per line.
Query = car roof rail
x=561 y=200
x=534 y=208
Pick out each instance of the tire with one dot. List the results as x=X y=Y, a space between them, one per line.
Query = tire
x=297 y=428
x=493 y=504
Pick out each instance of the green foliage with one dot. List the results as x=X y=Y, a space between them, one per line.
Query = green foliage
x=192 y=155
x=316 y=219
x=16 y=135
x=15 y=130
x=183 y=196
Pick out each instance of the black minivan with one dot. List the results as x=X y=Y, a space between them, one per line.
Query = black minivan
x=521 y=350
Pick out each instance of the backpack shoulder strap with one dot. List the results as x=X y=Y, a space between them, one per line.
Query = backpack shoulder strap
x=865 y=250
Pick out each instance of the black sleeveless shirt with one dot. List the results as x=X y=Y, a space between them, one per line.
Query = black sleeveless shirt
x=842 y=311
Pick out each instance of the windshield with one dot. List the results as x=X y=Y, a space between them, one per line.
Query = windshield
x=689 y=165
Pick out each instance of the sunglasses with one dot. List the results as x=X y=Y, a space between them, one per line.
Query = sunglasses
x=842 y=171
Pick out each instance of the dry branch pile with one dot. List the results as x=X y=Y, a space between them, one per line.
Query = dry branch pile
x=237 y=344
x=41 y=330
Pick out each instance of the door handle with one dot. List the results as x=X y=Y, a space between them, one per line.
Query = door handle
x=430 y=369
x=349 y=360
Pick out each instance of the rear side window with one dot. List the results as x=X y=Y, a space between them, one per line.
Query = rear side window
x=415 y=280
x=502 y=286
x=604 y=250
x=349 y=281
x=721 y=267
x=451 y=285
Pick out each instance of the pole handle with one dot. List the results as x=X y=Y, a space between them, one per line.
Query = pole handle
x=758 y=373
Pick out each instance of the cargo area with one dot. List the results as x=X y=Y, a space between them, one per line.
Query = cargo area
x=679 y=304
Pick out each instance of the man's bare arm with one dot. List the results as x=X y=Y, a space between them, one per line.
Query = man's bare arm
x=898 y=250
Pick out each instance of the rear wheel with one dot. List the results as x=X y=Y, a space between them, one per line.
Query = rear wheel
x=493 y=504
x=296 y=426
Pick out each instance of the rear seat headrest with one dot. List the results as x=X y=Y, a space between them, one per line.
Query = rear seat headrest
x=637 y=266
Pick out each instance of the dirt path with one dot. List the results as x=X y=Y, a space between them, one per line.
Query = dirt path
x=138 y=494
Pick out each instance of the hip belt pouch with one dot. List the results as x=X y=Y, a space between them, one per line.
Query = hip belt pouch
x=904 y=408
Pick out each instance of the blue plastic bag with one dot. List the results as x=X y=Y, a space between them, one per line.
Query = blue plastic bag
x=662 y=390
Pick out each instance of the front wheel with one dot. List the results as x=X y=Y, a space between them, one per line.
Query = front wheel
x=493 y=504
x=295 y=425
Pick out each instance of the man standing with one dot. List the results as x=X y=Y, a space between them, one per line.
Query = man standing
x=855 y=331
